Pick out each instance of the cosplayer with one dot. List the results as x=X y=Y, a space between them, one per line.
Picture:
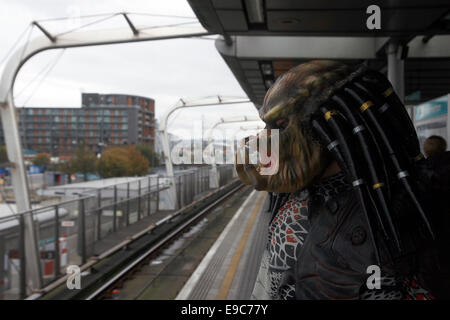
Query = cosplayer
x=350 y=190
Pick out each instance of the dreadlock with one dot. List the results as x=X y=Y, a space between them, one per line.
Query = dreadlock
x=367 y=130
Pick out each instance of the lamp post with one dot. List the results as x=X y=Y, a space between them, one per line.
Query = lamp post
x=74 y=143
x=100 y=145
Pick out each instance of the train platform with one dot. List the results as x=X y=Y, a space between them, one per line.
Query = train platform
x=228 y=270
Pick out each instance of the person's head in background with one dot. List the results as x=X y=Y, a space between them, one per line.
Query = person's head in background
x=434 y=145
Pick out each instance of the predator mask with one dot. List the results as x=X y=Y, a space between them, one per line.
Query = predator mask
x=288 y=107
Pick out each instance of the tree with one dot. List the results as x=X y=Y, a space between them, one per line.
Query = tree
x=138 y=164
x=113 y=163
x=64 y=167
x=42 y=159
x=122 y=162
x=83 y=161
x=148 y=152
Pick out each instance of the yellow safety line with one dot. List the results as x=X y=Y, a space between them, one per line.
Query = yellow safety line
x=229 y=276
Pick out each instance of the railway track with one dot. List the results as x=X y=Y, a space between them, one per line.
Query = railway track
x=104 y=280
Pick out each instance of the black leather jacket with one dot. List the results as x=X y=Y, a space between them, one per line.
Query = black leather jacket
x=333 y=261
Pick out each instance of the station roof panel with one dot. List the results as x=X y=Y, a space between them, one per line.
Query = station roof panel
x=270 y=37
x=318 y=17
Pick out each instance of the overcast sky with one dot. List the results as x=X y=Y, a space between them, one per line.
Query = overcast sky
x=164 y=70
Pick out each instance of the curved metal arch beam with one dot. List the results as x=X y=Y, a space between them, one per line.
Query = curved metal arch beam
x=248 y=128
x=164 y=135
x=9 y=117
x=232 y=120
x=214 y=174
x=203 y=102
x=257 y=127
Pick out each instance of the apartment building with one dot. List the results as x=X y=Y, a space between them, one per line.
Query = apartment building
x=103 y=120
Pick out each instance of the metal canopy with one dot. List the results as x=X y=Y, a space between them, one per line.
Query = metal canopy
x=263 y=39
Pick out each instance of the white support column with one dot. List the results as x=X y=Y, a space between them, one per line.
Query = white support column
x=169 y=168
x=396 y=69
x=20 y=187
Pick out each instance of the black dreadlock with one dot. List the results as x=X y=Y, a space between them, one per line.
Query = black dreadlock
x=360 y=125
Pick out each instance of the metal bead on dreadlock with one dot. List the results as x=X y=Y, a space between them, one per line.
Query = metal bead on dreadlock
x=366 y=105
x=329 y=114
x=402 y=174
x=388 y=92
x=332 y=144
x=378 y=185
x=358 y=129
x=383 y=108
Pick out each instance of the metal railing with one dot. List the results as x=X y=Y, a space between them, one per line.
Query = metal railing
x=71 y=232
